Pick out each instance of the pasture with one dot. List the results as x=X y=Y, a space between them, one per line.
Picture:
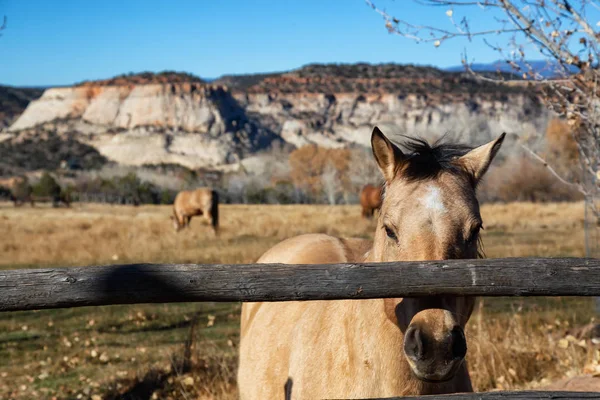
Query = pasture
x=190 y=350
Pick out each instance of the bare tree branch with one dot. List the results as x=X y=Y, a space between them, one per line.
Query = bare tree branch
x=561 y=31
x=553 y=171
x=437 y=35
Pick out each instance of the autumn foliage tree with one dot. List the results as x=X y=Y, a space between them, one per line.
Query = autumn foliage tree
x=311 y=168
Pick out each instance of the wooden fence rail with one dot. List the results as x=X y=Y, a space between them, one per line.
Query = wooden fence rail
x=30 y=289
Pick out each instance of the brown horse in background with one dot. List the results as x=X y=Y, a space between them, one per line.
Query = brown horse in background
x=189 y=203
x=379 y=347
x=370 y=200
x=20 y=190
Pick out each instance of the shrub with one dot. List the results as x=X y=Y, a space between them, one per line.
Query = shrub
x=47 y=187
x=309 y=163
x=167 y=197
x=126 y=189
x=523 y=179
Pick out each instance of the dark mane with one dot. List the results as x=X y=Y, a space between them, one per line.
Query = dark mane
x=427 y=161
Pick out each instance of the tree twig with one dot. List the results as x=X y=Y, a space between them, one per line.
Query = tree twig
x=553 y=171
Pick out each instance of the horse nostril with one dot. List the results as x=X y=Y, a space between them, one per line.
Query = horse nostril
x=415 y=344
x=459 y=343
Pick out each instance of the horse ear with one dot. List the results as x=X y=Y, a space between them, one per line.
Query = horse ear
x=477 y=161
x=387 y=155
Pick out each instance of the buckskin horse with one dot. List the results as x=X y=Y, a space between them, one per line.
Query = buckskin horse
x=380 y=347
x=189 y=203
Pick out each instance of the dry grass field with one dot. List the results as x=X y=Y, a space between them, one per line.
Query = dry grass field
x=188 y=351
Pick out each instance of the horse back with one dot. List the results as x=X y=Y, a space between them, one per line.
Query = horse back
x=193 y=202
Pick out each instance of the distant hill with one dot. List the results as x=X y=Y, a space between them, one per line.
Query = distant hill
x=142 y=78
x=545 y=68
x=13 y=100
x=363 y=78
x=310 y=72
x=244 y=81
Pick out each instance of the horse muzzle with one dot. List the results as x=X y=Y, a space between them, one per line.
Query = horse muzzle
x=433 y=359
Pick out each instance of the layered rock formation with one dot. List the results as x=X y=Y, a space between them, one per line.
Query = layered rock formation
x=209 y=125
x=191 y=124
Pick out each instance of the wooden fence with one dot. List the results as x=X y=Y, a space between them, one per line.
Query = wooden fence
x=30 y=289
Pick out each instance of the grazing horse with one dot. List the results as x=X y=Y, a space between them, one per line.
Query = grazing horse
x=380 y=347
x=20 y=190
x=370 y=200
x=189 y=203
x=11 y=182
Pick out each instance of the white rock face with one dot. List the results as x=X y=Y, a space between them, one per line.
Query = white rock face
x=349 y=118
x=55 y=104
x=145 y=124
x=105 y=106
x=197 y=125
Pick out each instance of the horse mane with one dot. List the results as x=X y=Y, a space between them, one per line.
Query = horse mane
x=427 y=161
x=480 y=249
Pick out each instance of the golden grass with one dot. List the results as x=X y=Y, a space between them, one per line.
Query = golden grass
x=514 y=343
x=92 y=234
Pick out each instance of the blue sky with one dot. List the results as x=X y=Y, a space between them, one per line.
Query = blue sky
x=62 y=42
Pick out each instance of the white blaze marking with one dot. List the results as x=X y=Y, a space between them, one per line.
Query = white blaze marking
x=433 y=200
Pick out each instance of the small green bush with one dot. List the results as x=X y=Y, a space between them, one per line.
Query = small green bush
x=47 y=186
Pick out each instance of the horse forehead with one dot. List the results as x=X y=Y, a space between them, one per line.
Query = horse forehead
x=433 y=199
x=432 y=195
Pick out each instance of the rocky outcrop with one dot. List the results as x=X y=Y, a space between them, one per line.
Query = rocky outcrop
x=13 y=101
x=196 y=125
x=334 y=120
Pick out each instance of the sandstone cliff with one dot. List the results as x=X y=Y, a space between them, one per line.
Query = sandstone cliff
x=191 y=124
x=196 y=124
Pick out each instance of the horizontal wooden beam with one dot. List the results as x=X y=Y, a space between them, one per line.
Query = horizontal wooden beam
x=29 y=289
x=528 y=394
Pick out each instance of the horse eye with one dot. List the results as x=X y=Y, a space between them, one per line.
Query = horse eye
x=390 y=233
